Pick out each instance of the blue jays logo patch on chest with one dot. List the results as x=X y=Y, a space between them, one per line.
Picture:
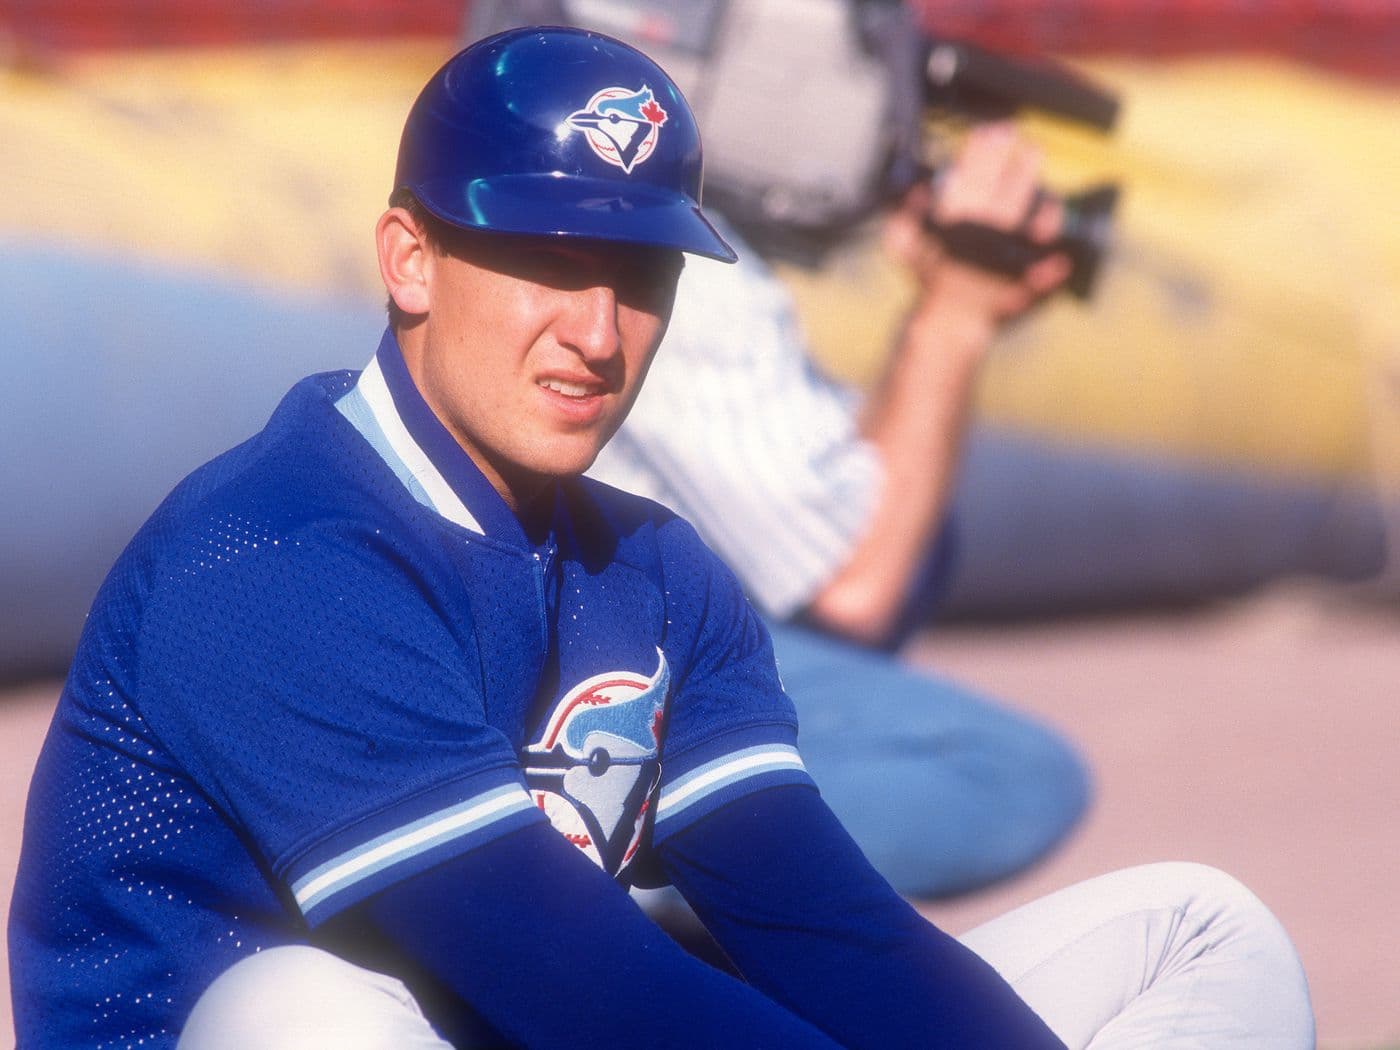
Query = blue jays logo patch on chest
x=595 y=768
x=622 y=126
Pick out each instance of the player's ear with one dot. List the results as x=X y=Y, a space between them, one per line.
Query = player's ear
x=404 y=260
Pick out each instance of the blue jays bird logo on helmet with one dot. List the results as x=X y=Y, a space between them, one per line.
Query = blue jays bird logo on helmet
x=596 y=765
x=622 y=126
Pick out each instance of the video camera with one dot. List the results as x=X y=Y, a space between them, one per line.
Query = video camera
x=816 y=113
x=970 y=83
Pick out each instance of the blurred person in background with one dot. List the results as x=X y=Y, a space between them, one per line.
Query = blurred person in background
x=836 y=509
x=834 y=517
x=854 y=521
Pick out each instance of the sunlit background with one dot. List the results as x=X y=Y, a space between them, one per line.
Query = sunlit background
x=176 y=177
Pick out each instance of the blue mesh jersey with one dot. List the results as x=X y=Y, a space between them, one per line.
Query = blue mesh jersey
x=332 y=659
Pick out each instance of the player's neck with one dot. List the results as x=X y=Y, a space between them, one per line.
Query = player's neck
x=537 y=515
x=529 y=496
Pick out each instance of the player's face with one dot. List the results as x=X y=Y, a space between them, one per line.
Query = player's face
x=533 y=349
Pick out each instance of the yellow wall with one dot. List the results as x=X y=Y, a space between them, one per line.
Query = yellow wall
x=1249 y=309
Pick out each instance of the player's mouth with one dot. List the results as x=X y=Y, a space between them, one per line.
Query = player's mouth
x=578 y=401
x=568 y=389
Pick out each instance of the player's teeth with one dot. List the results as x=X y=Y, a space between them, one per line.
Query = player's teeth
x=567 y=389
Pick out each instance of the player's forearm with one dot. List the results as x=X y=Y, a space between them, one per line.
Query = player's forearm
x=809 y=923
x=553 y=953
x=916 y=420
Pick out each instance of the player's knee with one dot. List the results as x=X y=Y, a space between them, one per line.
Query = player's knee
x=298 y=998
x=1239 y=929
x=1217 y=899
x=1199 y=886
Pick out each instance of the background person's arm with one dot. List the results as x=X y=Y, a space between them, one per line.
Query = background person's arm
x=917 y=415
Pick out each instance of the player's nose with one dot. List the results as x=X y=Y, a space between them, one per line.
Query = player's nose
x=589 y=324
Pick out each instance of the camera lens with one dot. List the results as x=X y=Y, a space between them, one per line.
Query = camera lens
x=1085 y=234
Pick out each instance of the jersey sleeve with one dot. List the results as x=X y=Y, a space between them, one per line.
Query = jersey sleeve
x=528 y=936
x=738 y=431
x=808 y=922
x=329 y=709
x=731 y=729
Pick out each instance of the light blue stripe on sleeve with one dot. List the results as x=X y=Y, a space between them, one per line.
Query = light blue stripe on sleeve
x=471 y=817
x=723 y=772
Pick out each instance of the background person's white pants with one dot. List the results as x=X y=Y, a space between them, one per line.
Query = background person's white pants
x=1164 y=956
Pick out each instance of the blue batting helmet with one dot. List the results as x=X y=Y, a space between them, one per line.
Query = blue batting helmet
x=559 y=132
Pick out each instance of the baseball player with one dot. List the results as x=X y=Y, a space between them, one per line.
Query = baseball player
x=379 y=715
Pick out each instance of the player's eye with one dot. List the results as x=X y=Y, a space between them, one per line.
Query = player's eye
x=643 y=278
x=646 y=279
x=554 y=265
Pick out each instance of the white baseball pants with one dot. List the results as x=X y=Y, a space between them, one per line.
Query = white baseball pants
x=1165 y=956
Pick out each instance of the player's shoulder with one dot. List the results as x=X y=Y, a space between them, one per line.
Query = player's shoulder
x=304 y=488
x=294 y=469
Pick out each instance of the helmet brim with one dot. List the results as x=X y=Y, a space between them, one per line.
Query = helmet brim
x=559 y=205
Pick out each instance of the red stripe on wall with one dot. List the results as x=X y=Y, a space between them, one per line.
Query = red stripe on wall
x=1357 y=36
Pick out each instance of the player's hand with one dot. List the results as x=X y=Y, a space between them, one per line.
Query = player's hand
x=994 y=183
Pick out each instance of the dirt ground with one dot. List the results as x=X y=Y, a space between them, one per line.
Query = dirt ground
x=1258 y=736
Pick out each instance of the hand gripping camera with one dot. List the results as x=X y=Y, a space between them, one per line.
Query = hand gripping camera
x=969 y=83
x=815 y=113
